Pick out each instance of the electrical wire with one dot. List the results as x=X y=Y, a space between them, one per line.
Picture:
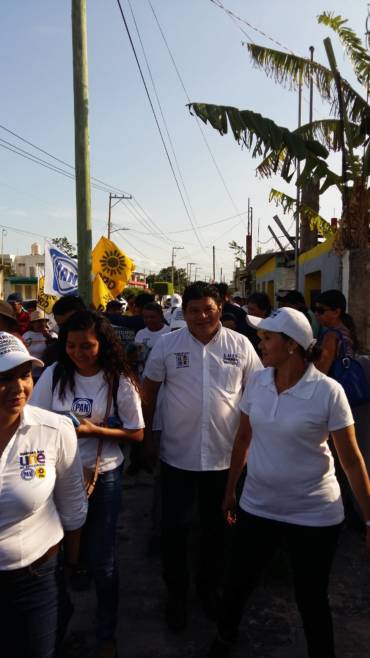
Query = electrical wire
x=157 y=123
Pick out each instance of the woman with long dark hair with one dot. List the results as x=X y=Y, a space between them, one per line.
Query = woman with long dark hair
x=93 y=381
x=338 y=329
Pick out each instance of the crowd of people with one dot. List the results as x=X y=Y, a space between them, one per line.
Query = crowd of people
x=229 y=403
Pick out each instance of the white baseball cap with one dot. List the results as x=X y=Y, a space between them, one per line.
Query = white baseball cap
x=13 y=353
x=177 y=319
x=287 y=321
x=176 y=300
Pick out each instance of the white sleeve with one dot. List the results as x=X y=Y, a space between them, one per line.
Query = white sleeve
x=138 y=337
x=339 y=412
x=69 y=491
x=252 y=363
x=155 y=368
x=129 y=405
x=246 y=399
x=42 y=395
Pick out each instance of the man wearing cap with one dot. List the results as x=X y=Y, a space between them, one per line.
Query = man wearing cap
x=8 y=320
x=175 y=302
x=37 y=338
x=204 y=368
x=23 y=318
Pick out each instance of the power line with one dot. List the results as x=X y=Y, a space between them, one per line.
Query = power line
x=157 y=123
x=189 y=101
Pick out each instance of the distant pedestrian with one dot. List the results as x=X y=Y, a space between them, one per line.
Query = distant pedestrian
x=8 y=320
x=258 y=305
x=295 y=299
x=37 y=338
x=66 y=306
x=22 y=317
x=204 y=368
x=291 y=497
x=338 y=328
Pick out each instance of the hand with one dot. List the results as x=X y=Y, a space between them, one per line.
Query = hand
x=229 y=508
x=87 y=428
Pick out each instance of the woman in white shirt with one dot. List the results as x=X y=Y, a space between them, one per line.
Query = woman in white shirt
x=290 y=495
x=42 y=501
x=91 y=360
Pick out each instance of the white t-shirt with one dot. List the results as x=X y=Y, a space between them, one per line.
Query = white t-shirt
x=202 y=387
x=291 y=475
x=149 y=339
x=41 y=487
x=89 y=400
x=36 y=344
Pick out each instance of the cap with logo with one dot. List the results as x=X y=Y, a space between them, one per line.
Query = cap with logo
x=13 y=353
x=287 y=321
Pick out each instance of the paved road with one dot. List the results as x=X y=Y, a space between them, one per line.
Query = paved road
x=272 y=628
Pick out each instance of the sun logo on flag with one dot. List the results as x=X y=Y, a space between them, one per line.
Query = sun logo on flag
x=113 y=262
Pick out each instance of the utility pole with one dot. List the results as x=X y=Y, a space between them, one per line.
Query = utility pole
x=120 y=198
x=173 y=264
x=3 y=232
x=82 y=149
x=297 y=221
x=220 y=274
x=214 y=263
x=189 y=265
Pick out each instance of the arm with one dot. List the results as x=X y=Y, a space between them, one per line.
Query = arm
x=355 y=469
x=90 y=430
x=151 y=389
x=238 y=461
x=329 y=347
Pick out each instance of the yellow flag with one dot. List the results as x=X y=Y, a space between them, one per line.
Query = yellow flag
x=46 y=302
x=114 y=267
x=101 y=295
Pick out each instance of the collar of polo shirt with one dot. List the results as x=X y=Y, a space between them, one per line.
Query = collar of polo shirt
x=303 y=389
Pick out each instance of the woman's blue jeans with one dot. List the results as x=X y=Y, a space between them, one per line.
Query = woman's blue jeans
x=34 y=610
x=99 y=550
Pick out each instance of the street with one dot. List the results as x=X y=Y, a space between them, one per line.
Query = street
x=272 y=625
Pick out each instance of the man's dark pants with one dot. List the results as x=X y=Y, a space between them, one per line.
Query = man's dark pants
x=182 y=492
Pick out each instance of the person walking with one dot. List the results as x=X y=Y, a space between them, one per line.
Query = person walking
x=203 y=368
x=291 y=496
x=93 y=381
x=338 y=329
x=37 y=339
x=42 y=502
x=8 y=320
x=23 y=318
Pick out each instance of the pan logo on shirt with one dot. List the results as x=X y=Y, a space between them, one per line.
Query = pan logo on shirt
x=232 y=359
x=182 y=359
x=32 y=463
x=82 y=407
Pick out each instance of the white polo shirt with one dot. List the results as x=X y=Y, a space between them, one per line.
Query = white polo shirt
x=89 y=400
x=41 y=488
x=291 y=475
x=202 y=388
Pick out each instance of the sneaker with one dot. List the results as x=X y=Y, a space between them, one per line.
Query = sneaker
x=176 y=614
x=219 y=649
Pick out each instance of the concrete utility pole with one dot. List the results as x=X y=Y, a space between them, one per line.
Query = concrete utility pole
x=3 y=233
x=173 y=264
x=214 y=263
x=189 y=265
x=82 y=149
x=114 y=196
x=297 y=221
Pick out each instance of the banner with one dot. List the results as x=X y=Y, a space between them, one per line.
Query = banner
x=114 y=267
x=100 y=294
x=46 y=302
x=61 y=273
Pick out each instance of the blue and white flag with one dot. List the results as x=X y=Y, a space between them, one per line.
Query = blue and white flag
x=61 y=272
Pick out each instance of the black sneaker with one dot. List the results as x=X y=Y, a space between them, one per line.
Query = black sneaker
x=219 y=649
x=176 y=614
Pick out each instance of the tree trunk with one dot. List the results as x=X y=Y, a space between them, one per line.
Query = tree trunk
x=310 y=198
x=359 y=294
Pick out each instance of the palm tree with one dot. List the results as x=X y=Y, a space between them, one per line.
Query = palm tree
x=347 y=131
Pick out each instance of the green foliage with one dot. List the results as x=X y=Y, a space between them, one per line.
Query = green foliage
x=165 y=275
x=358 y=55
x=289 y=204
x=239 y=252
x=64 y=245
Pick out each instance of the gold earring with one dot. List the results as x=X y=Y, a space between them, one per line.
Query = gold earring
x=291 y=352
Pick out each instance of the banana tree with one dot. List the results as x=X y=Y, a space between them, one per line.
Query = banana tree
x=346 y=131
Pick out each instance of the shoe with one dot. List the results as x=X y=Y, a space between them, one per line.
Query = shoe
x=219 y=649
x=176 y=614
x=108 y=650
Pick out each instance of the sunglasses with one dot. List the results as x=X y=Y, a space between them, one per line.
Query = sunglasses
x=320 y=310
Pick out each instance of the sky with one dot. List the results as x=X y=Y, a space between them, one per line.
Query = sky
x=215 y=174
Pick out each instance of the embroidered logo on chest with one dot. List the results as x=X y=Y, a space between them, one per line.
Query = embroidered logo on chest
x=231 y=359
x=82 y=407
x=182 y=359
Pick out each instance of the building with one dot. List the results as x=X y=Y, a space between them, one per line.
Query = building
x=269 y=273
x=27 y=271
x=138 y=280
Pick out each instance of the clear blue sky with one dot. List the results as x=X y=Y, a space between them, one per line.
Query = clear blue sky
x=126 y=151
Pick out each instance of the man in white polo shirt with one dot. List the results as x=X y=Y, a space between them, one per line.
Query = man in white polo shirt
x=204 y=368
